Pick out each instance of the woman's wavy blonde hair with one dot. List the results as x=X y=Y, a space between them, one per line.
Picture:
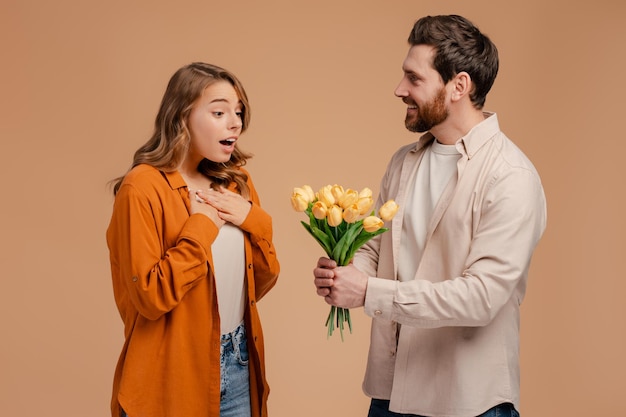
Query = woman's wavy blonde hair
x=170 y=141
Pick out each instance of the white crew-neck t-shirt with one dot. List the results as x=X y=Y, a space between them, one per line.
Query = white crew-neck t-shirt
x=433 y=174
x=229 y=264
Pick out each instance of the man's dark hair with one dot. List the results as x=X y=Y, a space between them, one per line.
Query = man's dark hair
x=459 y=46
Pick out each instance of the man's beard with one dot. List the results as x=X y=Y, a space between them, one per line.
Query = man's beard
x=428 y=115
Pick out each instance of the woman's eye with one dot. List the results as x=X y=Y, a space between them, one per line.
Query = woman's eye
x=239 y=114
x=218 y=113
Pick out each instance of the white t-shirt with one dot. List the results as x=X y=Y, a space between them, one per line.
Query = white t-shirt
x=229 y=263
x=437 y=167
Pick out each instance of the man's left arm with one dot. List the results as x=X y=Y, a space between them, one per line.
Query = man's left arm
x=512 y=220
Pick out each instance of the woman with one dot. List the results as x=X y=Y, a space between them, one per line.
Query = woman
x=191 y=253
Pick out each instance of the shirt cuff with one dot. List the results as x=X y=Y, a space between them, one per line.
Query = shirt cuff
x=379 y=298
x=199 y=228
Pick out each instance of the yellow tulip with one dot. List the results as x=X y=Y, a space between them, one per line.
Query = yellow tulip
x=388 y=210
x=319 y=210
x=365 y=192
x=309 y=192
x=299 y=202
x=337 y=191
x=351 y=213
x=348 y=198
x=365 y=204
x=304 y=193
x=334 y=215
x=372 y=224
x=326 y=196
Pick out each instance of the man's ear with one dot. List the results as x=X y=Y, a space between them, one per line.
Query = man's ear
x=461 y=86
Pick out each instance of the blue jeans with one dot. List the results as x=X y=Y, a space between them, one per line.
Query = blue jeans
x=235 y=376
x=380 y=408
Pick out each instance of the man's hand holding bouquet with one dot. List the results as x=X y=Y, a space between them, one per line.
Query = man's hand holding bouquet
x=341 y=221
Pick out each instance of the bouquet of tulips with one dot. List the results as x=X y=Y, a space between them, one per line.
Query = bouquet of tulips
x=341 y=221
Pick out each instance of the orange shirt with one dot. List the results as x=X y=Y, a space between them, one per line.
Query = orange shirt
x=164 y=288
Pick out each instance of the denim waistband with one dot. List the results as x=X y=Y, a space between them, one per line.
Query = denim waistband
x=236 y=335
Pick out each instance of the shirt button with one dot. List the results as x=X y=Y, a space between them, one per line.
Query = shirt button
x=393 y=353
x=135 y=279
x=249 y=266
x=378 y=312
x=252 y=303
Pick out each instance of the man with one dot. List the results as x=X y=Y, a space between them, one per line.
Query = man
x=444 y=285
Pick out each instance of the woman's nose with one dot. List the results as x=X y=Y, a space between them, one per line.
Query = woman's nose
x=237 y=123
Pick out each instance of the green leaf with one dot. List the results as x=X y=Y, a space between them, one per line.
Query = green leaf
x=360 y=240
x=329 y=232
x=343 y=242
x=351 y=234
x=320 y=237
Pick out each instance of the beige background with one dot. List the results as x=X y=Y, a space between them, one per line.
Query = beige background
x=81 y=81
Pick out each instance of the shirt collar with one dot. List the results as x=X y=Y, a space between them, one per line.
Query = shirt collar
x=174 y=179
x=479 y=135
x=469 y=144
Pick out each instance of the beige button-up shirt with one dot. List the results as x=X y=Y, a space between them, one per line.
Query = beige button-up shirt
x=456 y=353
